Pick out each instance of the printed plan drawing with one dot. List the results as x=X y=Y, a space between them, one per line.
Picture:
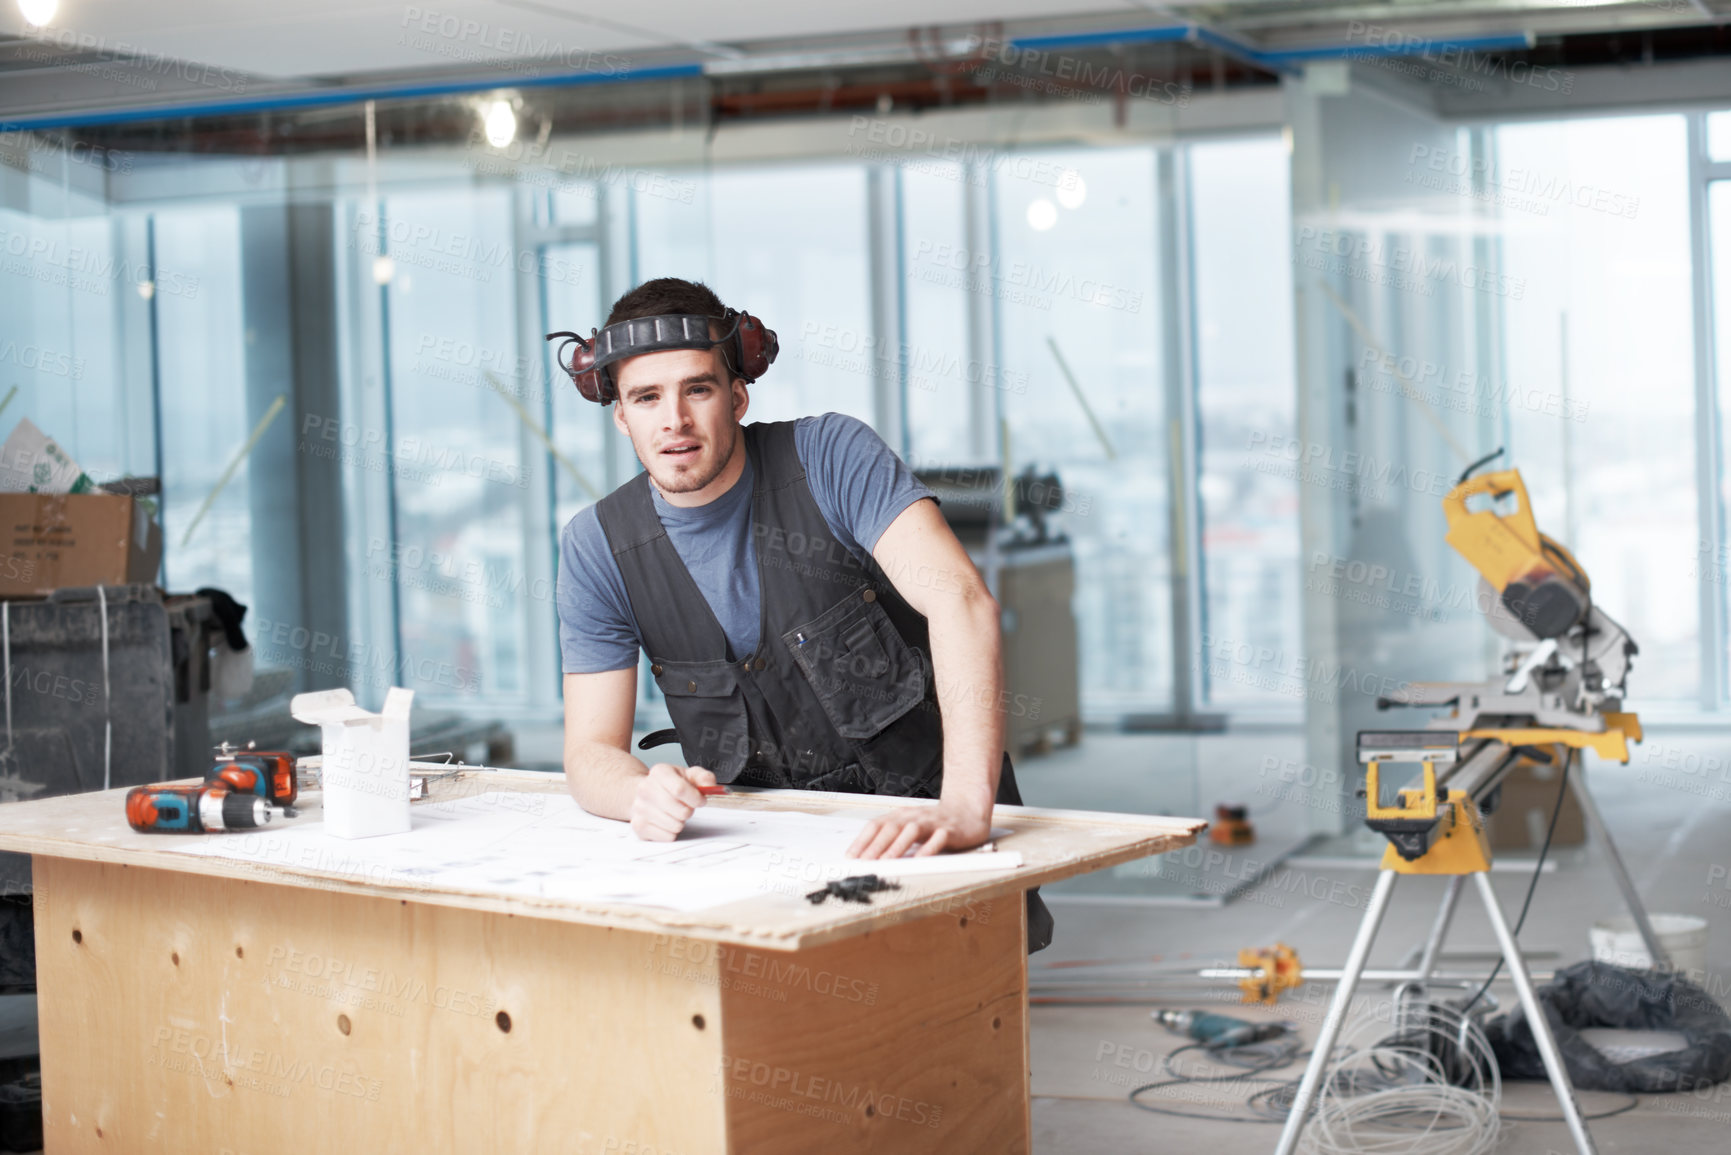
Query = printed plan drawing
x=545 y=846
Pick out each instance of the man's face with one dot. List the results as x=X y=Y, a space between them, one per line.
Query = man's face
x=682 y=412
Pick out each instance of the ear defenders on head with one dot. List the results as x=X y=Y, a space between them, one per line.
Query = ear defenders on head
x=748 y=347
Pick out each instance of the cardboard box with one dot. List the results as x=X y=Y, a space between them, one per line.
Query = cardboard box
x=51 y=541
x=1529 y=796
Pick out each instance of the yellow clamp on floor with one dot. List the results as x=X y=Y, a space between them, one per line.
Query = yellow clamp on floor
x=1274 y=968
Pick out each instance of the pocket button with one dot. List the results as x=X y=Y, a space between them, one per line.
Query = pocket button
x=656 y=670
x=870 y=595
x=691 y=687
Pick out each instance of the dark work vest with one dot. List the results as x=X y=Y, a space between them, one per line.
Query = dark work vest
x=839 y=694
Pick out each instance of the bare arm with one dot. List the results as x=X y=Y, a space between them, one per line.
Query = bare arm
x=932 y=571
x=604 y=777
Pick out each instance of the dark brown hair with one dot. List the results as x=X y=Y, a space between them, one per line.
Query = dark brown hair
x=666 y=295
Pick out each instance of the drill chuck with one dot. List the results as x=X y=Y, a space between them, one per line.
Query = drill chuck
x=226 y=810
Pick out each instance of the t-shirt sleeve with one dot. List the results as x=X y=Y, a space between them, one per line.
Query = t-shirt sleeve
x=597 y=631
x=858 y=481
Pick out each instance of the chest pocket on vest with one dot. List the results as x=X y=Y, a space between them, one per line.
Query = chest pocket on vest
x=864 y=674
x=704 y=701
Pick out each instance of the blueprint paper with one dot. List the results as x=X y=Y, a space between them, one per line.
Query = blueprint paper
x=538 y=845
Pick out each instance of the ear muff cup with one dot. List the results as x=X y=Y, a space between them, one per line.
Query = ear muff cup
x=593 y=383
x=757 y=347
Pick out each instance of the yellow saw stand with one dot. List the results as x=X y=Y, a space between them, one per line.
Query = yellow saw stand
x=1436 y=829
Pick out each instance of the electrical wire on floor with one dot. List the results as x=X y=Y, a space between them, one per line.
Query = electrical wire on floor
x=1424 y=1083
x=1251 y=1058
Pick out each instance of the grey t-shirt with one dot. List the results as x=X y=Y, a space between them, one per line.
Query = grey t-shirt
x=860 y=486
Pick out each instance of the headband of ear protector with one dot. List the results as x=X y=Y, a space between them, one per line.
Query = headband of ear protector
x=748 y=347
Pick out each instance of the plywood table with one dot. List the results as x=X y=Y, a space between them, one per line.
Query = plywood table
x=200 y=1004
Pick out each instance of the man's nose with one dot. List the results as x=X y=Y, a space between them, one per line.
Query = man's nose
x=677 y=413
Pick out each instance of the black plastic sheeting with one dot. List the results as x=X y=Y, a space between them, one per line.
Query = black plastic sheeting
x=1597 y=994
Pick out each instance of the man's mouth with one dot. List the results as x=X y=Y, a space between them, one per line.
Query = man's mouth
x=680 y=449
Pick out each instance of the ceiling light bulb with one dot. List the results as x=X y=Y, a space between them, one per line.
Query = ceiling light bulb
x=1072 y=190
x=147 y=289
x=383 y=270
x=38 y=12
x=1042 y=215
x=501 y=124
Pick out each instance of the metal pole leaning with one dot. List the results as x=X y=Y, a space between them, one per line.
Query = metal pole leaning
x=1355 y=960
x=1439 y=930
x=1661 y=958
x=1541 y=1026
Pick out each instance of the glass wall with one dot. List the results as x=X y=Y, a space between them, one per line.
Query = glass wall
x=201 y=362
x=945 y=370
x=454 y=444
x=1601 y=389
x=1027 y=310
x=1073 y=280
x=1714 y=565
x=75 y=280
x=1246 y=395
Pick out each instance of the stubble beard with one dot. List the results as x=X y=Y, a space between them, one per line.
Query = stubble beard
x=684 y=481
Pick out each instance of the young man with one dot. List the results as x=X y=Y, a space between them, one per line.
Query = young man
x=809 y=616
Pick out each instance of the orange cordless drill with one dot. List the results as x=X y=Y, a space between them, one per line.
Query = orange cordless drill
x=269 y=774
x=194 y=808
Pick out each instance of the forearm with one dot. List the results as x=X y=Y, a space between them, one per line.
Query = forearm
x=602 y=778
x=966 y=656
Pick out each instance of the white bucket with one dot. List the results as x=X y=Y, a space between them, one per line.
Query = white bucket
x=1684 y=937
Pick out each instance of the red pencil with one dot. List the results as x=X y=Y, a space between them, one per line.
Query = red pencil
x=712 y=790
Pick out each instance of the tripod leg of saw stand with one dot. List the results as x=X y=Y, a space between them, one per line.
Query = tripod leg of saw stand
x=1631 y=897
x=1541 y=1027
x=1355 y=960
x=1439 y=930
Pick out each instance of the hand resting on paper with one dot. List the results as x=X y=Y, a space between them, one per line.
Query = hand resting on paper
x=665 y=800
x=945 y=826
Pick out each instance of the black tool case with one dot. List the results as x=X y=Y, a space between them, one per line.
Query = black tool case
x=106 y=687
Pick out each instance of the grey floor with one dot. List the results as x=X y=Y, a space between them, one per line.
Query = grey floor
x=1670 y=812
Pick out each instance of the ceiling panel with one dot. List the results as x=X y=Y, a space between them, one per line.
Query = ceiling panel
x=323 y=38
x=780 y=19
x=330 y=37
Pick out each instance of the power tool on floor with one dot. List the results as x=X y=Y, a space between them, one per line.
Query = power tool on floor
x=194 y=808
x=1217 y=1032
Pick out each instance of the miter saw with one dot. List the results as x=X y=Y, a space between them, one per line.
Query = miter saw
x=1568 y=665
x=1560 y=691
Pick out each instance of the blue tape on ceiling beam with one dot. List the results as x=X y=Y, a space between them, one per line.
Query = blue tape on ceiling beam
x=1414 y=47
x=1279 y=61
x=1165 y=33
x=331 y=97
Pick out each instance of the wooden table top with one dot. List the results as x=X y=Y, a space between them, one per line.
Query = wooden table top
x=1054 y=844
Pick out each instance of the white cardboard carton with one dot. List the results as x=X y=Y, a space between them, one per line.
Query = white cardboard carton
x=366 y=761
